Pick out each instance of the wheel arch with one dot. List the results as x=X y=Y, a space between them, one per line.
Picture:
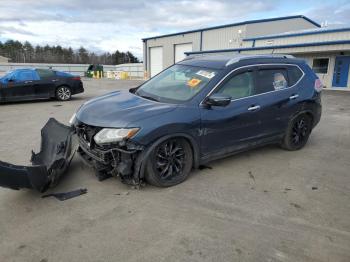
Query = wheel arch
x=140 y=165
x=307 y=112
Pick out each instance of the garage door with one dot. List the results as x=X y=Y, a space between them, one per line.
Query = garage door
x=156 y=60
x=180 y=51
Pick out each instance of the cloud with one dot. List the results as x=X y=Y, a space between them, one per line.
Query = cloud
x=15 y=30
x=107 y=25
x=335 y=15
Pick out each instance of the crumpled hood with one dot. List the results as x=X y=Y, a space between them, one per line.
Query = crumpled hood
x=119 y=109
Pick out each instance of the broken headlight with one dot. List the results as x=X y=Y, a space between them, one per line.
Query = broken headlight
x=112 y=135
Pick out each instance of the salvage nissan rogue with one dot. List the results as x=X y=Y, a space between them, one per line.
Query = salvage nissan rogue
x=198 y=110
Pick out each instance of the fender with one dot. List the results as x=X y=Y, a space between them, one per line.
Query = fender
x=303 y=111
x=140 y=164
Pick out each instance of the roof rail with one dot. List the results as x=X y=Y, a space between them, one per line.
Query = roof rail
x=246 y=57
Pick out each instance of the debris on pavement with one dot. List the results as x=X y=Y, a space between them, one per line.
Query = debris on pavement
x=67 y=195
x=295 y=205
x=251 y=176
x=286 y=190
x=122 y=194
x=202 y=167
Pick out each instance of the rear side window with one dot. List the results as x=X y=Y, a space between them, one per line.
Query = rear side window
x=63 y=74
x=270 y=80
x=44 y=73
x=294 y=75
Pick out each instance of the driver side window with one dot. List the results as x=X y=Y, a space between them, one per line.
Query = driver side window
x=239 y=86
x=22 y=76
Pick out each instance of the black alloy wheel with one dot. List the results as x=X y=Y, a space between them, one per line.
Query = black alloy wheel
x=170 y=163
x=298 y=133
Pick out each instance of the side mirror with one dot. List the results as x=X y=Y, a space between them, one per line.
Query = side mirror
x=218 y=100
x=11 y=80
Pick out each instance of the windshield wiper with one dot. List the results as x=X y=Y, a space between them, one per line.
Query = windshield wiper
x=150 y=98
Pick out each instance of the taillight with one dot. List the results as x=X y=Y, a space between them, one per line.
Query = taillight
x=318 y=85
x=76 y=78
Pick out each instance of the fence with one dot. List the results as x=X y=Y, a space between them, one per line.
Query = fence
x=133 y=70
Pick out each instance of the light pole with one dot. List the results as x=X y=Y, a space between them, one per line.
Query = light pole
x=24 y=54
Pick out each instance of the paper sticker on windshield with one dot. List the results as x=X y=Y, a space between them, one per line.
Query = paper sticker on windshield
x=206 y=74
x=194 y=82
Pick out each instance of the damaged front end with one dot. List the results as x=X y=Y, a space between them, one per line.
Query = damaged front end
x=58 y=146
x=119 y=159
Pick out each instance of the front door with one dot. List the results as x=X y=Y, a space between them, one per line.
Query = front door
x=20 y=86
x=227 y=129
x=341 y=71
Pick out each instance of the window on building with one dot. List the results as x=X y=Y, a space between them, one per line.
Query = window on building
x=320 y=65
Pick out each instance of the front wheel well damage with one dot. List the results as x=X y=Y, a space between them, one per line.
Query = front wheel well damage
x=140 y=164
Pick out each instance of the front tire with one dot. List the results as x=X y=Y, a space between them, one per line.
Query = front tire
x=298 y=132
x=63 y=93
x=169 y=163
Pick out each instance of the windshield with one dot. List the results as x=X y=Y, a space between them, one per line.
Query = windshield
x=176 y=84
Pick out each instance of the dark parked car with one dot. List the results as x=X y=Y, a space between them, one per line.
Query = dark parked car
x=201 y=109
x=31 y=84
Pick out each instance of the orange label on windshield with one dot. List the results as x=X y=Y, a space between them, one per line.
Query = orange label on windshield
x=193 y=82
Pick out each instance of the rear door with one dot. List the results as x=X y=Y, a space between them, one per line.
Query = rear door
x=45 y=85
x=19 y=86
x=278 y=97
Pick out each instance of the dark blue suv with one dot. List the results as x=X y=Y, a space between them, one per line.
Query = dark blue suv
x=201 y=109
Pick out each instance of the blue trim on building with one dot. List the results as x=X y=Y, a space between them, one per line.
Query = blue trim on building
x=237 y=24
x=270 y=47
x=298 y=34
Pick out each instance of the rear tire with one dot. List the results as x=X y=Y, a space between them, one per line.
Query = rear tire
x=169 y=163
x=298 y=132
x=63 y=93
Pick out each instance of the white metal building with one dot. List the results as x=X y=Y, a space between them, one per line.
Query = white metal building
x=326 y=50
x=163 y=51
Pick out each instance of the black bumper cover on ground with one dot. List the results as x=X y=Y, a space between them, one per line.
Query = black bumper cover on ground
x=58 y=146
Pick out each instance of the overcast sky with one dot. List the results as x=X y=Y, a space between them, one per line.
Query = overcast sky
x=107 y=25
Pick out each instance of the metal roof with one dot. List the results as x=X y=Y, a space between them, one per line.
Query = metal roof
x=237 y=24
x=271 y=47
x=313 y=31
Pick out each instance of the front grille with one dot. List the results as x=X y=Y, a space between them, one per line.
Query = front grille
x=87 y=133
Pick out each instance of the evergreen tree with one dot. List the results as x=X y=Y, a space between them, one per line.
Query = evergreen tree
x=19 y=53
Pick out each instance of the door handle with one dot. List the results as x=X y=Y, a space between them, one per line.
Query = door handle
x=54 y=80
x=27 y=82
x=292 y=97
x=253 y=108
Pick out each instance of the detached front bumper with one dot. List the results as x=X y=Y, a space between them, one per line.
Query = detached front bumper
x=58 y=145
